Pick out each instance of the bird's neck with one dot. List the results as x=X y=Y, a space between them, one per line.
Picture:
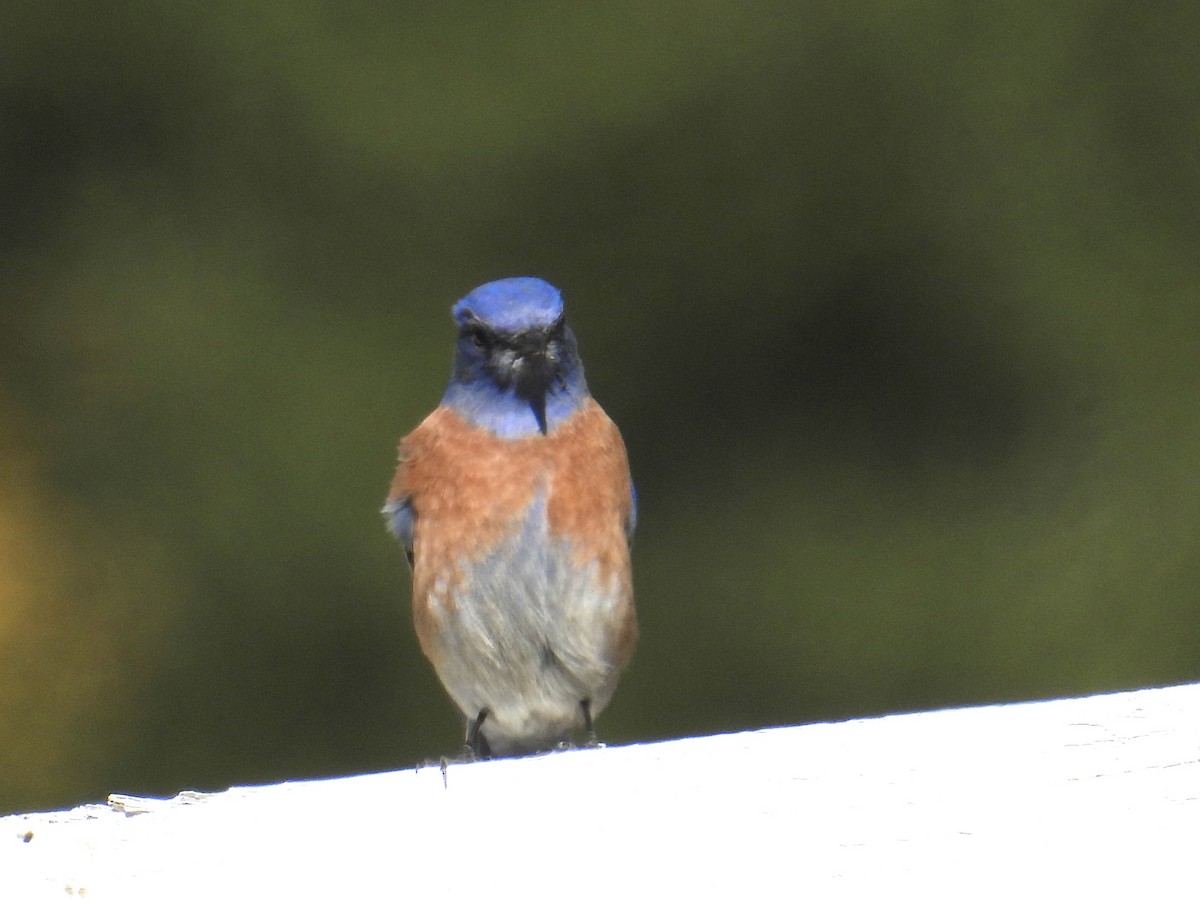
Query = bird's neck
x=507 y=414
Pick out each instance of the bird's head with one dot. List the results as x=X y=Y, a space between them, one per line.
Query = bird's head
x=516 y=367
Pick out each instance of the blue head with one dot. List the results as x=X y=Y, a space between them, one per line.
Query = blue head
x=516 y=367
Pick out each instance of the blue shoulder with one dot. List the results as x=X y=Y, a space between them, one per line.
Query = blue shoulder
x=631 y=522
x=398 y=514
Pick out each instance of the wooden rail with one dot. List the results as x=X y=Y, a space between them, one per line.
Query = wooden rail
x=1097 y=796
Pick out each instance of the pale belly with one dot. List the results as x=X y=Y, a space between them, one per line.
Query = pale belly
x=527 y=633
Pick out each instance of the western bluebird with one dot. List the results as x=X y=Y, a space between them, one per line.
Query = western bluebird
x=516 y=510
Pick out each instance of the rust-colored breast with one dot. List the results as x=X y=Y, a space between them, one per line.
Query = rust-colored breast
x=469 y=489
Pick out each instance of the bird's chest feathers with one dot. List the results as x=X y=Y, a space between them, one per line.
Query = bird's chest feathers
x=529 y=513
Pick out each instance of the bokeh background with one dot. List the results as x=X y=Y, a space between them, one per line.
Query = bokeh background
x=896 y=305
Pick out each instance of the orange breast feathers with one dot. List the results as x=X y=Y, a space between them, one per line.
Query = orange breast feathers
x=469 y=489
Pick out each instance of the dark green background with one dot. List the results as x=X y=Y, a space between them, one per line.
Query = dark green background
x=896 y=305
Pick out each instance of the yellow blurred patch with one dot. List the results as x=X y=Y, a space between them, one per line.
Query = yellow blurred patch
x=63 y=670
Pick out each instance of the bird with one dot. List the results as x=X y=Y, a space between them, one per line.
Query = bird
x=516 y=510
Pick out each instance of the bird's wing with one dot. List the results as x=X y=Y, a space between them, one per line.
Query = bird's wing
x=398 y=512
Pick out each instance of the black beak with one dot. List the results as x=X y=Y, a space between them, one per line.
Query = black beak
x=535 y=371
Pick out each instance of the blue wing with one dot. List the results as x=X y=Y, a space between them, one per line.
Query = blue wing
x=398 y=515
x=631 y=522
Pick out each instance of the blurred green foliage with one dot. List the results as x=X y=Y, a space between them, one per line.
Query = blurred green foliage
x=896 y=305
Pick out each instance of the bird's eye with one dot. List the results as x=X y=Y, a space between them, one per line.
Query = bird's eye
x=478 y=336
